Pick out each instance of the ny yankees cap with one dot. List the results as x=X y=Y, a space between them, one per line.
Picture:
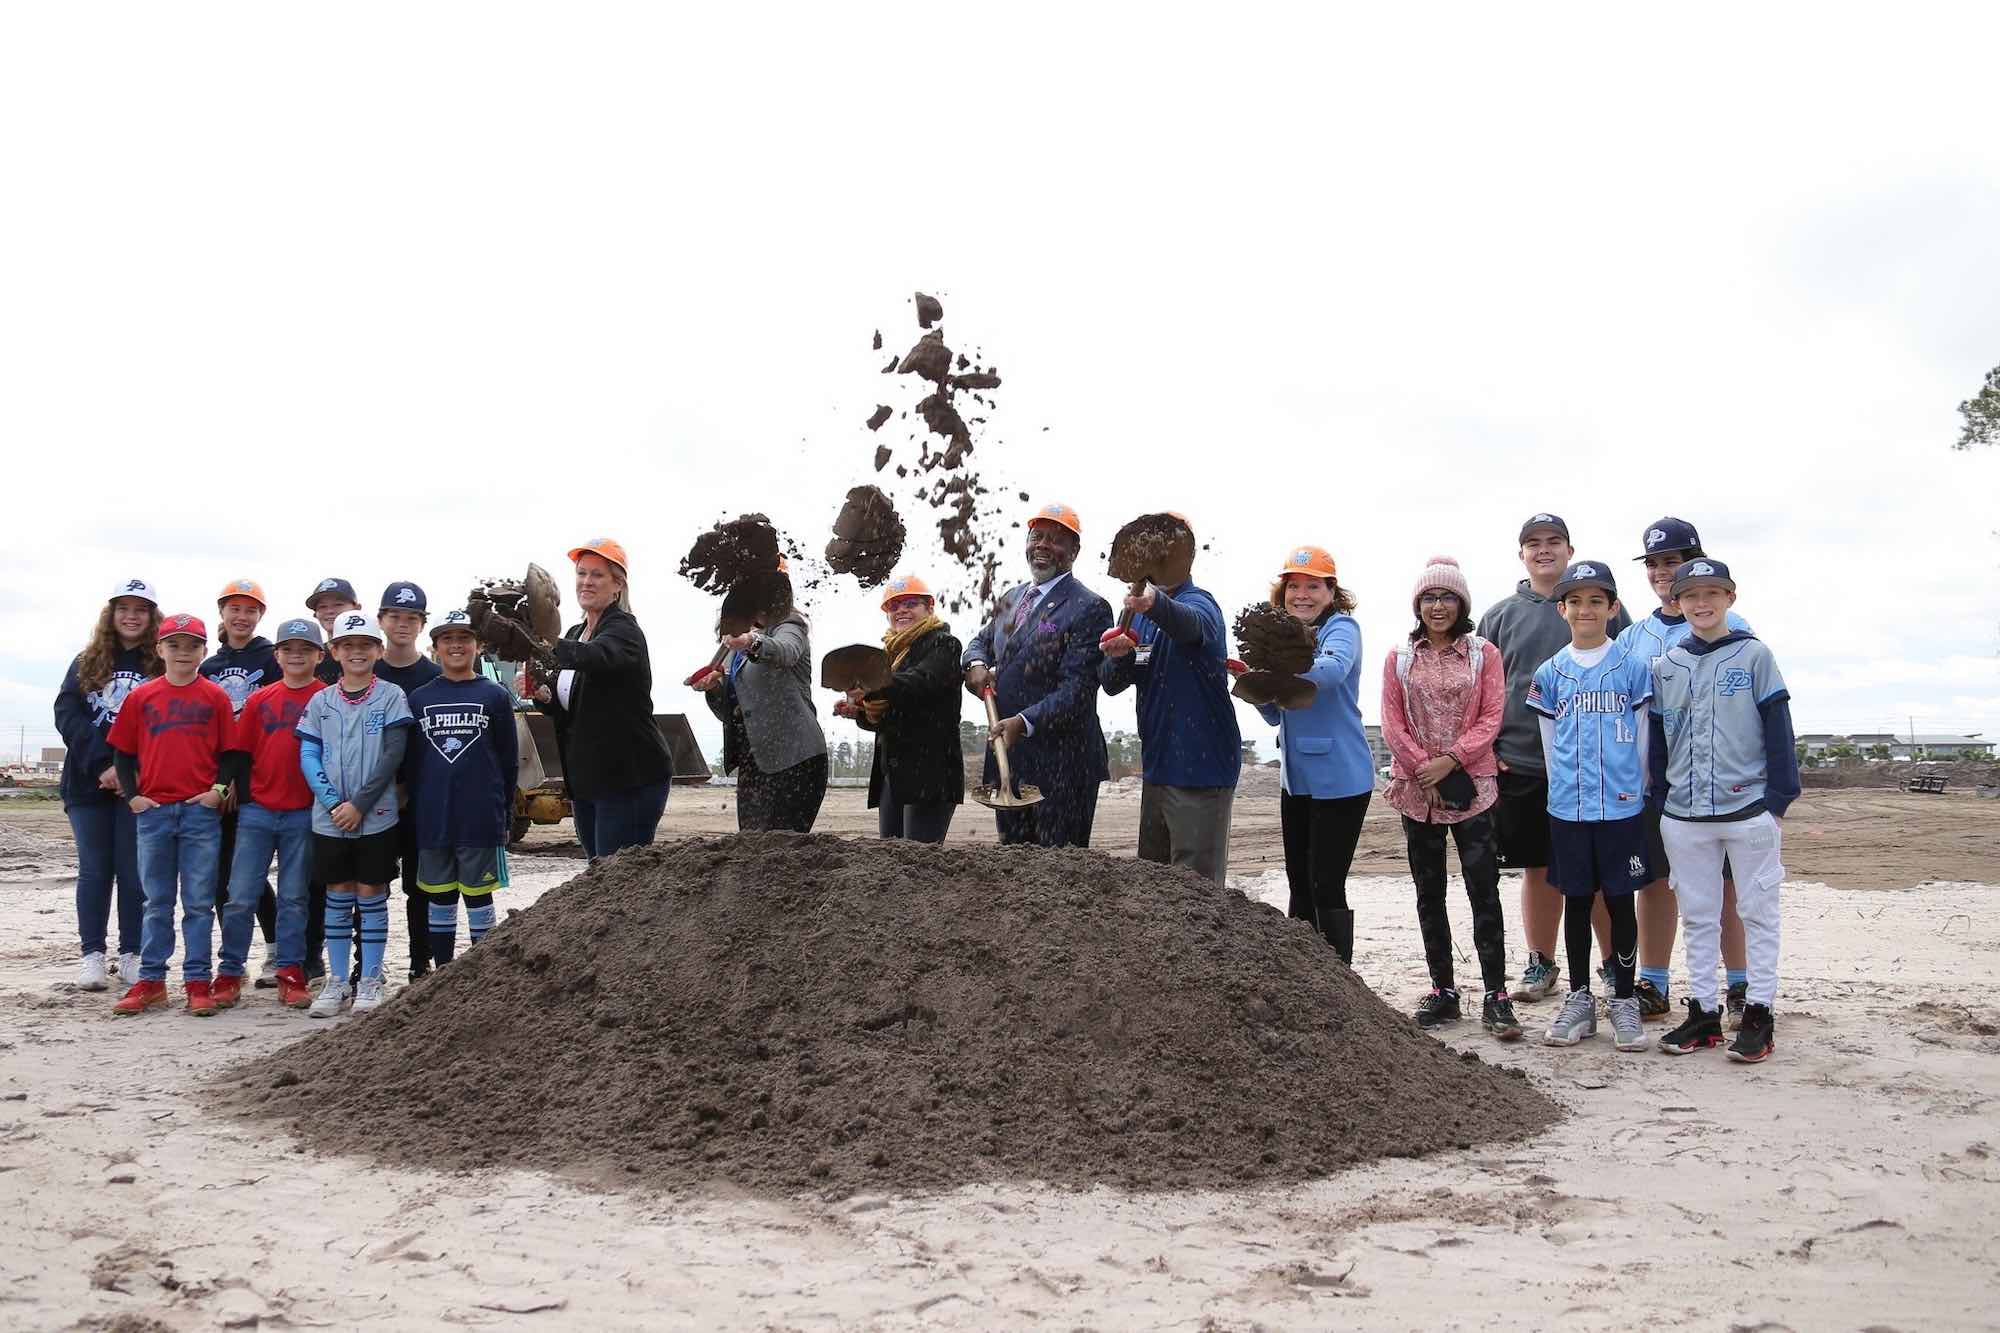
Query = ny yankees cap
x=401 y=596
x=340 y=588
x=355 y=625
x=1542 y=521
x=1670 y=534
x=183 y=624
x=1702 y=573
x=1586 y=574
x=299 y=631
x=456 y=618
x=134 y=588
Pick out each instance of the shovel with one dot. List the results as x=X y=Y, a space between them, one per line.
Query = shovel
x=858 y=666
x=766 y=595
x=1258 y=688
x=1003 y=797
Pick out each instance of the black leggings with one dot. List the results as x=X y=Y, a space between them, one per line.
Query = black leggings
x=921 y=821
x=1320 y=838
x=1479 y=858
x=1578 y=938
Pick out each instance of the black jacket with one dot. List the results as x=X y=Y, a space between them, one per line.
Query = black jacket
x=916 y=742
x=607 y=736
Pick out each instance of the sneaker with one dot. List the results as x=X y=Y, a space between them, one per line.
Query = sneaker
x=128 y=968
x=1627 y=1028
x=144 y=995
x=1757 y=1038
x=268 y=976
x=91 y=973
x=1577 y=1020
x=226 y=991
x=1701 y=1029
x=1739 y=993
x=1437 y=1009
x=1652 y=1004
x=369 y=994
x=1538 y=978
x=1496 y=1015
x=293 y=992
x=200 y=999
x=331 y=997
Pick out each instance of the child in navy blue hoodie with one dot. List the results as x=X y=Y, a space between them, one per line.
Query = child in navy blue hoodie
x=120 y=657
x=243 y=663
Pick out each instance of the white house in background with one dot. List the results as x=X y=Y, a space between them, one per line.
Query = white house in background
x=1921 y=746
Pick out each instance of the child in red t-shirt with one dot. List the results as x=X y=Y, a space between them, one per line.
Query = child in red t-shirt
x=276 y=815
x=167 y=748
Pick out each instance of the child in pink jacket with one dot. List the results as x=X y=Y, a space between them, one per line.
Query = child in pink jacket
x=1442 y=696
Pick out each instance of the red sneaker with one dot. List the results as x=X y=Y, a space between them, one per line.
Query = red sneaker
x=293 y=992
x=144 y=995
x=226 y=991
x=201 y=1000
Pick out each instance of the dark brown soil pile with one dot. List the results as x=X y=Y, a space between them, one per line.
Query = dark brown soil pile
x=1159 y=547
x=1268 y=639
x=868 y=537
x=731 y=550
x=780 y=1012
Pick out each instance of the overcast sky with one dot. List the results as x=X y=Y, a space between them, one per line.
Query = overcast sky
x=428 y=291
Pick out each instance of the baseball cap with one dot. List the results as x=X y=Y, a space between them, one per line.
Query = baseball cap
x=249 y=588
x=134 y=588
x=404 y=596
x=302 y=631
x=340 y=588
x=1704 y=572
x=1586 y=574
x=355 y=625
x=183 y=623
x=1671 y=534
x=1543 y=521
x=456 y=618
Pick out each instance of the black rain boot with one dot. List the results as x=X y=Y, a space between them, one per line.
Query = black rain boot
x=1340 y=934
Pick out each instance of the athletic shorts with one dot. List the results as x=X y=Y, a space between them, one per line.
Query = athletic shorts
x=1656 y=850
x=369 y=859
x=1521 y=821
x=472 y=870
x=1607 y=854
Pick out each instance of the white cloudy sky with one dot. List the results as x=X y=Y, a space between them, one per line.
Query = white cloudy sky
x=428 y=291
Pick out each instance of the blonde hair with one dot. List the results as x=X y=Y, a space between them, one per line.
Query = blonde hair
x=95 y=664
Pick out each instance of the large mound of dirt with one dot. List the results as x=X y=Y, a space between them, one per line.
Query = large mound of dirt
x=780 y=1012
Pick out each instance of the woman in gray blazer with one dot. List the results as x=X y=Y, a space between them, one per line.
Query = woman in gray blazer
x=771 y=738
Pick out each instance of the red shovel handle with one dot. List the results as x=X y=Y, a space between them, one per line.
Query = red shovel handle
x=1237 y=666
x=1116 y=632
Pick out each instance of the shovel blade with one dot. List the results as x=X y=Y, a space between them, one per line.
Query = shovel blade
x=1257 y=688
x=998 y=798
x=860 y=666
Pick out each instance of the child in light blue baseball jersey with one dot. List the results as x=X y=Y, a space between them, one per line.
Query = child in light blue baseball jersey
x=1724 y=766
x=1592 y=700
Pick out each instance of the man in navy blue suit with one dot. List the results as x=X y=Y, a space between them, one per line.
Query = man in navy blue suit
x=1040 y=655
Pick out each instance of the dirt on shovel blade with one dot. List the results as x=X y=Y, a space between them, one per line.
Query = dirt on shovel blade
x=1268 y=639
x=1150 y=546
x=731 y=550
x=780 y=1013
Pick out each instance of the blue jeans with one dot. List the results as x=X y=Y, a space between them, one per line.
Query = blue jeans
x=258 y=833
x=178 y=845
x=107 y=848
x=622 y=819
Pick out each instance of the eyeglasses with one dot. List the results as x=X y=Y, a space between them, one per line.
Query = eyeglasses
x=1436 y=598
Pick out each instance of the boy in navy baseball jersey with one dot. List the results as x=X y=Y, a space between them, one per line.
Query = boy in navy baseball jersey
x=462 y=768
x=1591 y=698
x=1724 y=765
x=402 y=615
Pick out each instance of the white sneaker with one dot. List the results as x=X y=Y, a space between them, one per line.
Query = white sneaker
x=268 y=978
x=128 y=968
x=369 y=994
x=91 y=975
x=1577 y=1020
x=1627 y=1028
x=331 y=997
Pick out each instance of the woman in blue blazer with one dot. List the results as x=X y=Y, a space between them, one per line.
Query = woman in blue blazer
x=1325 y=766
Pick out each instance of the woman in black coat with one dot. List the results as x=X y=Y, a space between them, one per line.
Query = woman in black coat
x=918 y=779
x=615 y=762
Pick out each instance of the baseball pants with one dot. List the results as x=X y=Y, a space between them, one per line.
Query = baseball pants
x=1186 y=826
x=1754 y=850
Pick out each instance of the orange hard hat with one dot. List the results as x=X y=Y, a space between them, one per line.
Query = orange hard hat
x=1312 y=561
x=905 y=585
x=242 y=588
x=1061 y=515
x=602 y=546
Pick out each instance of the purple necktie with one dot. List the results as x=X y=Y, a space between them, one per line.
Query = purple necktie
x=1028 y=600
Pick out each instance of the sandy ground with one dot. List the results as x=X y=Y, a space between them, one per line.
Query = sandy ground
x=1851 y=1182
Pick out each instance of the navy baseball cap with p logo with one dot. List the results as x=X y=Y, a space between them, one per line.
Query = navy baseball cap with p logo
x=340 y=588
x=1670 y=534
x=1704 y=571
x=1543 y=521
x=402 y=596
x=1586 y=574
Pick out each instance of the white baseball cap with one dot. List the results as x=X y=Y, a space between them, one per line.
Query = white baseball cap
x=456 y=618
x=134 y=588
x=354 y=625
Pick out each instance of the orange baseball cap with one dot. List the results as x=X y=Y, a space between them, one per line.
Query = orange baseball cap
x=602 y=546
x=905 y=585
x=1311 y=561
x=242 y=588
x=1061 y=515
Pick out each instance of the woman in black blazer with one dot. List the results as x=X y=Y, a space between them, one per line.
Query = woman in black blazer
x=615 y=763
x=918 y=779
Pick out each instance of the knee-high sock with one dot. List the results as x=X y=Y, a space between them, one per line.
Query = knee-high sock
x=479 y=914
x=339 y=932
x=374 y=933
x=1624 y=942
x=443 y=926
x=1577 y=937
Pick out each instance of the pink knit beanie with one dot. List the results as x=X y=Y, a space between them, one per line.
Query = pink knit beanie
x=1441 y=571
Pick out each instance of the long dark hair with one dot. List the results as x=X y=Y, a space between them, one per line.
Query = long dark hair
x=1458 y=631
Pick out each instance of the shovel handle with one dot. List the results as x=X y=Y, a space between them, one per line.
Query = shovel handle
x=1124 y=625
x=999 y=744
x=714 y=665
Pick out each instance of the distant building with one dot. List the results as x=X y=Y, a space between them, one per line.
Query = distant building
x=1377 y=747
x=1921 y=746
x=52 y=756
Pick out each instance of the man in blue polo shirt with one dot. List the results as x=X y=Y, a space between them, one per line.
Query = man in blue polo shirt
x=1177 y=653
